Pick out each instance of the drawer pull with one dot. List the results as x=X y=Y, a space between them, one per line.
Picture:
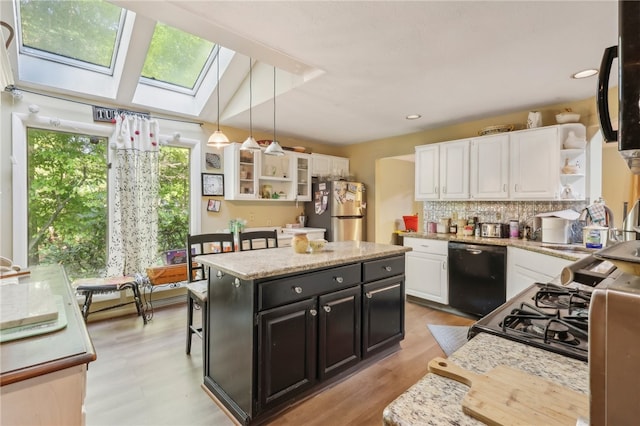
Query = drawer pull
x=368 y=295
x=327 y=308
x=236 y=283
x=313 y=312
x=339 y=280
x=219 y=275
x=387 y=268
x=298 y=289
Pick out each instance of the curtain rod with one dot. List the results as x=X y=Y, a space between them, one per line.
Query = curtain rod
x=14 y=89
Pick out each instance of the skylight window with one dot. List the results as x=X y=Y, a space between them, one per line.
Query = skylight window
x=82 y=33
x=177 y=58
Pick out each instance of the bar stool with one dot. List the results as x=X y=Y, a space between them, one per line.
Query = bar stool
x=90 y=286
x=198 y=275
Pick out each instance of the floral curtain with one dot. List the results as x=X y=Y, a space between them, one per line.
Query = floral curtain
x=134 y=224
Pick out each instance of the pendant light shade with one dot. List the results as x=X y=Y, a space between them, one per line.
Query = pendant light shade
x=274 y=147
x=218 y=139
x=250 y=143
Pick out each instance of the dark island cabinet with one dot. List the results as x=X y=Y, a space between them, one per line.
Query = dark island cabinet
x=287 y=351
x=275 y=340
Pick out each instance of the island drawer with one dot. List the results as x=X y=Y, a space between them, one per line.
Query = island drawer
x=382 y=268
x=298 y=287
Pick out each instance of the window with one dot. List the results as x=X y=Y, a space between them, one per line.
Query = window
x=67 y=201
x=80 y=33
x=60 y=208
x=176 y=58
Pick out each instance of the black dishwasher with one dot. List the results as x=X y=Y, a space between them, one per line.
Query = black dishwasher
x=477 y=277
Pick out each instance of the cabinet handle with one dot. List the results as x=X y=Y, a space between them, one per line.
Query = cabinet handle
x=444 y=189
x=219 y=275
x=313 y=312
x=236 y=283
x=504 y=187
x=297 y=289
x=444 y=265
x=435 y=189
x=339 y=280
x=368 y=295
x=515 y=187
x=387 y=268
x=327 y=308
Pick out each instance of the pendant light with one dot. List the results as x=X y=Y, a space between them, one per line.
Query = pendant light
x=250 y=143
x=274 y=147
x=217 y=138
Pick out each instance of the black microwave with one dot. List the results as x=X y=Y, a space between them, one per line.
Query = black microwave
x=628 y=54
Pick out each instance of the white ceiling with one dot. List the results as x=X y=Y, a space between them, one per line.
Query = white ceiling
x=369 y=64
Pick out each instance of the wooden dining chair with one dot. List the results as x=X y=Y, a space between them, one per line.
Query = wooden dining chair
x=256 y=240
x=198 y=274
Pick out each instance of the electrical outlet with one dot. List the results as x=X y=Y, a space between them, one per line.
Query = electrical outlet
x=252 y=217
x=269 y=223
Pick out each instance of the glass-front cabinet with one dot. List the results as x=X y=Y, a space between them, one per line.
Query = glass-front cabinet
x=303 y=176
x=253 y=175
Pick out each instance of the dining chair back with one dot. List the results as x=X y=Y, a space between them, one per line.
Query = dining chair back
x=197 y=276
x=255 y=240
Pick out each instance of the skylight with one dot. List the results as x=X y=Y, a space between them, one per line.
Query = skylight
x=85 y=34
x=177 y=58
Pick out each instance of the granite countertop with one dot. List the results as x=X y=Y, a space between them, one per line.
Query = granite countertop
x=249 y=265
x=571 y=252
x=436 y=400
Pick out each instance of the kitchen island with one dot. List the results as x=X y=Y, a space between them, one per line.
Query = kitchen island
x=437 y=400
x=281 y=326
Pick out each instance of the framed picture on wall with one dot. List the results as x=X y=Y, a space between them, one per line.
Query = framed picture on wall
x=213 y=205
x=212 y=184
x=213 y=160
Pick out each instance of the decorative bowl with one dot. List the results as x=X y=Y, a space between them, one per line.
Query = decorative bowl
x=575 y=143
x=567 y=117
x=317 y=245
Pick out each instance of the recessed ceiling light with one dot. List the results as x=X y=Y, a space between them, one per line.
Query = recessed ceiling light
x=413 y=116
x=585 y=73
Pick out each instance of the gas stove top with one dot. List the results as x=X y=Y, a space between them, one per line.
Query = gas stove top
x=547 y=316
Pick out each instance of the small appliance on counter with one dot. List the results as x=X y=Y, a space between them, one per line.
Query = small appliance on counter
x=556 y=226
x=494 y=230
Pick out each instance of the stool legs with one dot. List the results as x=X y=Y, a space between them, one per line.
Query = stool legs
x=138 y=301
x=190 y=331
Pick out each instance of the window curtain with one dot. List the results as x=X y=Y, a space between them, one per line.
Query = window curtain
x=134 y=235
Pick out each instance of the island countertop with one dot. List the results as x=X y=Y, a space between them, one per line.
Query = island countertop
x=437 y=400
x=254 y=264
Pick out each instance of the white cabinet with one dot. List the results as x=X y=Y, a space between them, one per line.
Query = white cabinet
x=302 y=177
x=252 y=175
x=489 y=169
x=427 y=174
x=442 y=171
x=454 y=170
x=329 y=165
x=526 y=267
x=426 y=269
x=534 y=164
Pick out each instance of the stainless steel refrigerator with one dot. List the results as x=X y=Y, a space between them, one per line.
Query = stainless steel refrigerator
x=339 y=207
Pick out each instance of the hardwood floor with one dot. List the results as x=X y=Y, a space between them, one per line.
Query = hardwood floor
x=143 y=377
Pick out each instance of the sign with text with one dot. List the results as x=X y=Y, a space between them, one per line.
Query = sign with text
x=109 y=114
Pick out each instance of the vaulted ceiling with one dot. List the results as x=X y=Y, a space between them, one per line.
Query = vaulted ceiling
x=352 y=71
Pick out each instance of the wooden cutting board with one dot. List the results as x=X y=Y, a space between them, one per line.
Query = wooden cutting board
x=507 y=396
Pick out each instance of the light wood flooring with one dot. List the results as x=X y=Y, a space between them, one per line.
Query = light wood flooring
x=143 y=377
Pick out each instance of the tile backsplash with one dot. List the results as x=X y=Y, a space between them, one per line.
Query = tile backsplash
x=492 y=211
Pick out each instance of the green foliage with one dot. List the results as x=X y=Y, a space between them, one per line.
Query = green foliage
x=175 y=57
x=67 y=212
x=67 y=201
x=85 y=30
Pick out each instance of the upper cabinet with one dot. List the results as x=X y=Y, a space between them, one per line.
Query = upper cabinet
x=523 y=165
x=489 y=169
x=252 y=175
x=329 y=165
x=442 y=171
x=535 y=168
x=427 y=172
x=454 y=170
